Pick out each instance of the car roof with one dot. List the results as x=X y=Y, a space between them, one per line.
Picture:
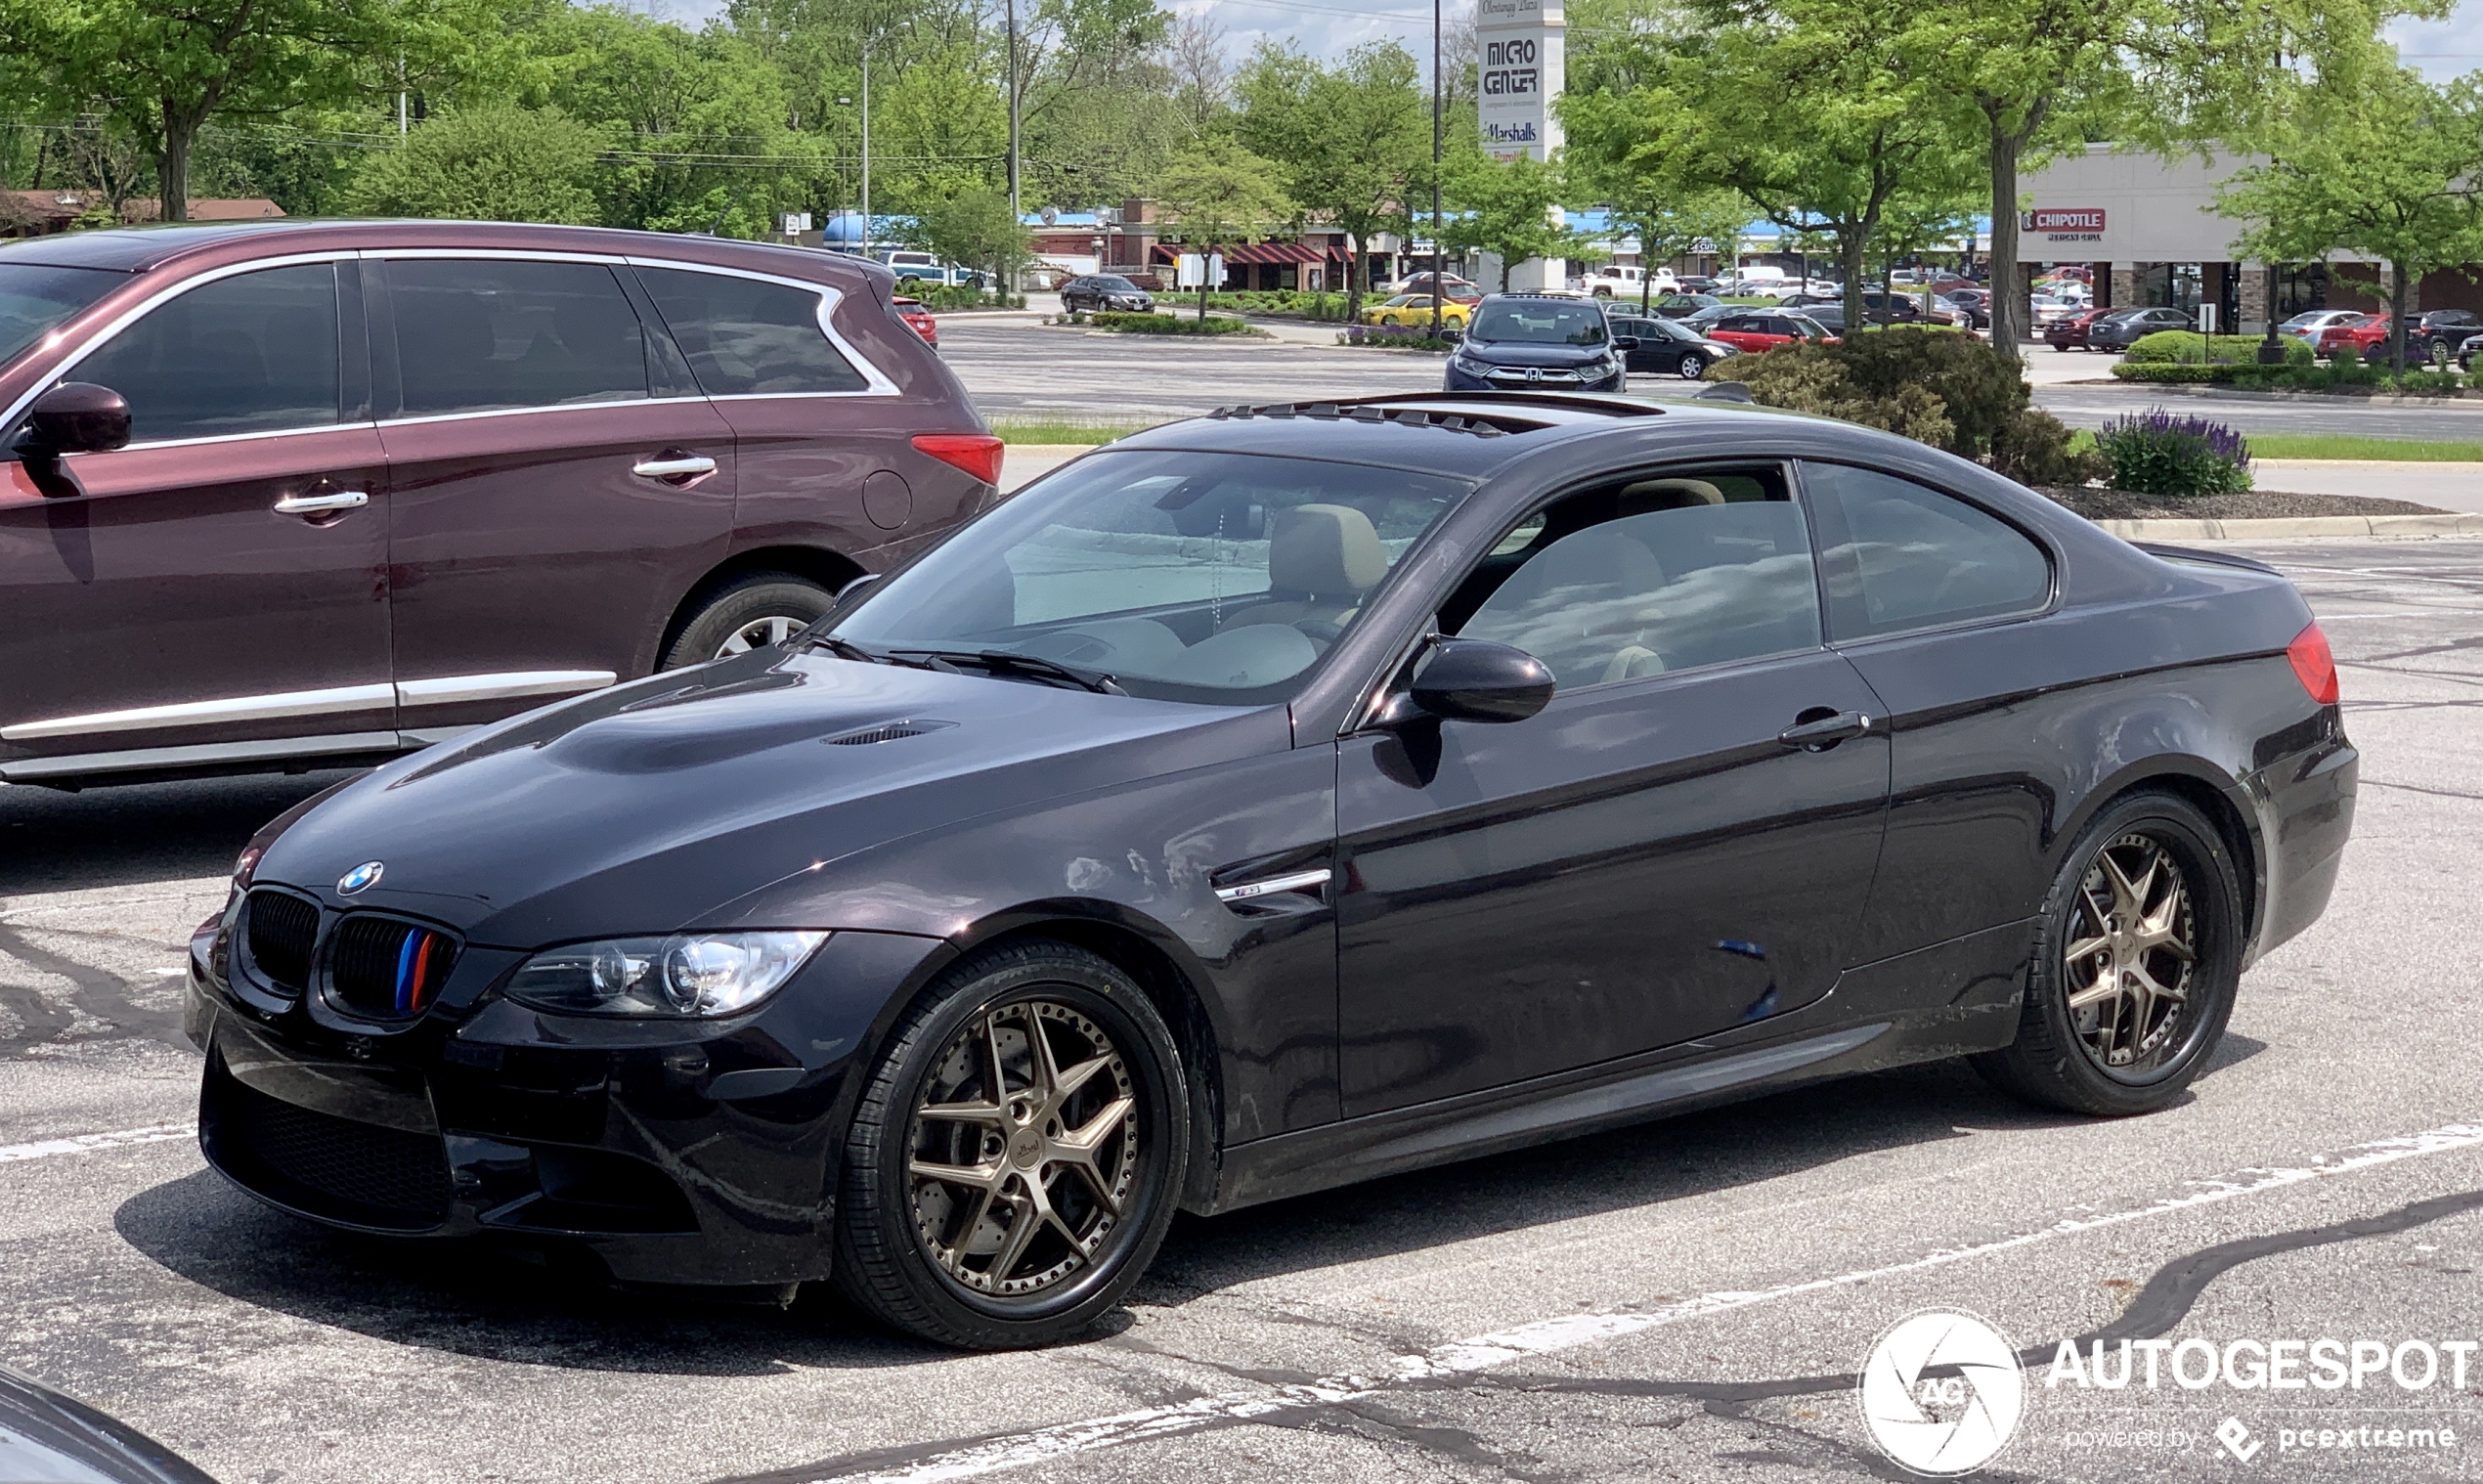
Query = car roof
x=139 y=250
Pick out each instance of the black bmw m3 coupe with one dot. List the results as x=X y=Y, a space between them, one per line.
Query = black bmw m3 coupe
x=1272 y=801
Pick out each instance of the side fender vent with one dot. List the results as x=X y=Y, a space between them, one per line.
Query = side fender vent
x=886 y=731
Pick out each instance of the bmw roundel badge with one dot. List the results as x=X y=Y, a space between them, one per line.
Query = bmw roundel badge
x=359 y=878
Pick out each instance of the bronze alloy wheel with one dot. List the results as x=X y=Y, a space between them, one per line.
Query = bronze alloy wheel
x=2128 y=972
x=1024 y=1148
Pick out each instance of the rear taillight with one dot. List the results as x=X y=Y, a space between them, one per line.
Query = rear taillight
x=978 y=454
x=2313 y=664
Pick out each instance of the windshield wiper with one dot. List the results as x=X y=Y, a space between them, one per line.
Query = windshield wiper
x=843 y=649
x=1000 y=662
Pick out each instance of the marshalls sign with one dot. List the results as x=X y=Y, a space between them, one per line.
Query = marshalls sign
x=1523 y=64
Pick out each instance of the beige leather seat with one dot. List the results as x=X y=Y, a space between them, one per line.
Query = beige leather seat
x=1651 y=495
x=1321 y=559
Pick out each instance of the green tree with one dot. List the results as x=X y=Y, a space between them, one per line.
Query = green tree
x=163 y=72
x=1217 y=194
x=1350 y=139
x=1505 y=207
x=2379 y=163
x=975 y=228
x=494 y=164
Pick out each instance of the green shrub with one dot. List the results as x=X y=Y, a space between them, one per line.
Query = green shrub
x=2344 y=356
x=2178 y=345
x=954 y=296
x=2173 y=370
x=2156 y=453
x=2300 y=353
x=1393 y=337
x=1169 y=324
x=2036 y=448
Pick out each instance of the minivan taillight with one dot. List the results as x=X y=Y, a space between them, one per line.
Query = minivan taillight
x=978 y=454
x=2313 y=664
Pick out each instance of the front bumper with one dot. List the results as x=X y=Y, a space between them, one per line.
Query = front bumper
x=1458 y=380
x=676 y=1153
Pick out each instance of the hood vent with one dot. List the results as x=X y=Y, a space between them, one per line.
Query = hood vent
x=886 y=731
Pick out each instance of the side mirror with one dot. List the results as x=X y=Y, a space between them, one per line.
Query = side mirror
x=1479 y=681
x=76 y=417
x=1451 y=335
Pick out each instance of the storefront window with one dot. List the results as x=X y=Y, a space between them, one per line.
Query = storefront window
x=2176 y=286
x=2301 y=288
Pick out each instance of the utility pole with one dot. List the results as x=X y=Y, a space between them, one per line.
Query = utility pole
x=866 y=147
x=400 y=98
x=1017 y=212
x=1439 y=289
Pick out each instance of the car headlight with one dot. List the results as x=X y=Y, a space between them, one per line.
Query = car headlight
x=1469 y=364
x=689 y=974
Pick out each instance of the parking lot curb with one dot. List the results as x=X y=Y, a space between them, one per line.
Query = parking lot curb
x=2161 y=529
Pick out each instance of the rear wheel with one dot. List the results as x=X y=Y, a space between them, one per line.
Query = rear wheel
x=2134 y=966
x=1016 y=1153
x=1694 y=367
x=754 y=610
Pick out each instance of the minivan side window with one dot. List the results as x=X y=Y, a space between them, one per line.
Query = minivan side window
x=478 y=336
x=749 y=337
x=254 y=353
x=1898 y=557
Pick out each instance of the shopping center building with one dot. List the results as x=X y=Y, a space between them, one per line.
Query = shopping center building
x=2149 y=227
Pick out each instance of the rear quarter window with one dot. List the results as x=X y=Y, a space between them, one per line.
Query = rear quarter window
x=750 y=336
x=1898 y=556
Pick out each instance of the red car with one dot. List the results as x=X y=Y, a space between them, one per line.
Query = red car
x=333 y=491
x=912 y=311
x=2362 y=334
x=2072 y=333
x=1763 y=329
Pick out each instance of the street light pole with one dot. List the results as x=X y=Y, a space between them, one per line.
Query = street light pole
x=1017 y=212
x=866 y=148
x=1439 y=291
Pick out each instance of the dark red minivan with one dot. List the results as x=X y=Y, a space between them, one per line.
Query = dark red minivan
x=320 y=492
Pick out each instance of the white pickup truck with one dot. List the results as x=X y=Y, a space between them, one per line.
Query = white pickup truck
x=1621 y=280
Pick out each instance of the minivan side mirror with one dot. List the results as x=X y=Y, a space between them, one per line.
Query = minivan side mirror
x=76 y=417
x=1479 y=681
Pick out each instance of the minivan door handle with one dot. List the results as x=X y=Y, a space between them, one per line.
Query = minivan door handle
x=327 y=504
x=674 y=467
x=1817 y=729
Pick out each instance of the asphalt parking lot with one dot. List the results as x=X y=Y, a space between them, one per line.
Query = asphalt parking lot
x=1687 y=1299
x=1018 y=368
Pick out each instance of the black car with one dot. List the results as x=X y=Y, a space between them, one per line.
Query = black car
x=2438 y=336
x=49 y=1438
x=1104 y=291
x=2467 y=349
x=1973 y=303
x=2126 y=328
x=1538 y=342
x=1681 y=306
x=1277 y=800
x=1667 y=347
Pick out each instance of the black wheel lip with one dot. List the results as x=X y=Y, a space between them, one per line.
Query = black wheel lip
x=2174 y=1062
x=1050 y=1304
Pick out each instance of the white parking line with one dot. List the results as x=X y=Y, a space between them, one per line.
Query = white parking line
x=87 y=1144
x=1569 y=1332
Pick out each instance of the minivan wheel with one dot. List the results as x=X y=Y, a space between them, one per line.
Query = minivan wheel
x=2135 y=964
x=754 y=610
x=1017 y=1154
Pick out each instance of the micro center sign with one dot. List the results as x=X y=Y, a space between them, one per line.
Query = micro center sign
x=1524 y=63
x=2065 y=224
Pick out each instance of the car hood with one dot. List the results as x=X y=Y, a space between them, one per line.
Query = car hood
x=644 y=807
x=1519 y=353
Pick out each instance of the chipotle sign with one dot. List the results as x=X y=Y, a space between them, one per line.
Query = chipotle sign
x=2066 y=221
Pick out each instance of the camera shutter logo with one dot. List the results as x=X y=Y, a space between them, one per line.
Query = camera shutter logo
x=1941 y=1393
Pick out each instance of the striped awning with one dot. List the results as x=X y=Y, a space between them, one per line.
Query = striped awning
x=1256 y=252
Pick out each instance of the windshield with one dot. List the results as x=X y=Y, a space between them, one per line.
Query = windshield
x=1190 y=577
x=1538 y=321
x=34 y=299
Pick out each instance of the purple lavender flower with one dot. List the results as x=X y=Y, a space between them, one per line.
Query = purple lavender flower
x=2160 y=425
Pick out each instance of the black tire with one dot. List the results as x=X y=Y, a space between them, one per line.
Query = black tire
x=2054 y=1063
x=884 y=1264
x=2439 y=355
x=1693 y=365
x=753 y=600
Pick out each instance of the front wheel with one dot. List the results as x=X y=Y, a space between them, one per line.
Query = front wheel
x=1694 y=367
x=2439 y=355
x=2135 y=964
x=1016 y=1153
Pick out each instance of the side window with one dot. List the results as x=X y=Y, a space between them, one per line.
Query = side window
x=1649 y=576
x=480 y=335
x=249 y=354
x=747 y=336
x=1899 y=556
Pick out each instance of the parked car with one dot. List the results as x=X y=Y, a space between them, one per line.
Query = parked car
x=2122 y=329
x=48 y=1438
x=331 y=492
x=2307 y=326
x=1666 y=347
x=1416 y=309
x=1623 y=280
x=1677 y=306
x=1537 y=342
x=2361 y=333
x=912 y=311
x=1976 y=303
x=2466 y=351
x=1695 y=283
x=947 y=954
x=2049 y=308
x=2072 y=333
x=2436 y=334
x=925 y=268
x=1105 y=292
x=1456 y=290
x=1763 y=329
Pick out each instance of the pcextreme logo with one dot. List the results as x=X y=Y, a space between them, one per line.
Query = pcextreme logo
x=1941 y=1393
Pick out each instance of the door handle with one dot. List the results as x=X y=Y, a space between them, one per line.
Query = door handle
x=673 y=466
x=1824 y=729
x=322 y=505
